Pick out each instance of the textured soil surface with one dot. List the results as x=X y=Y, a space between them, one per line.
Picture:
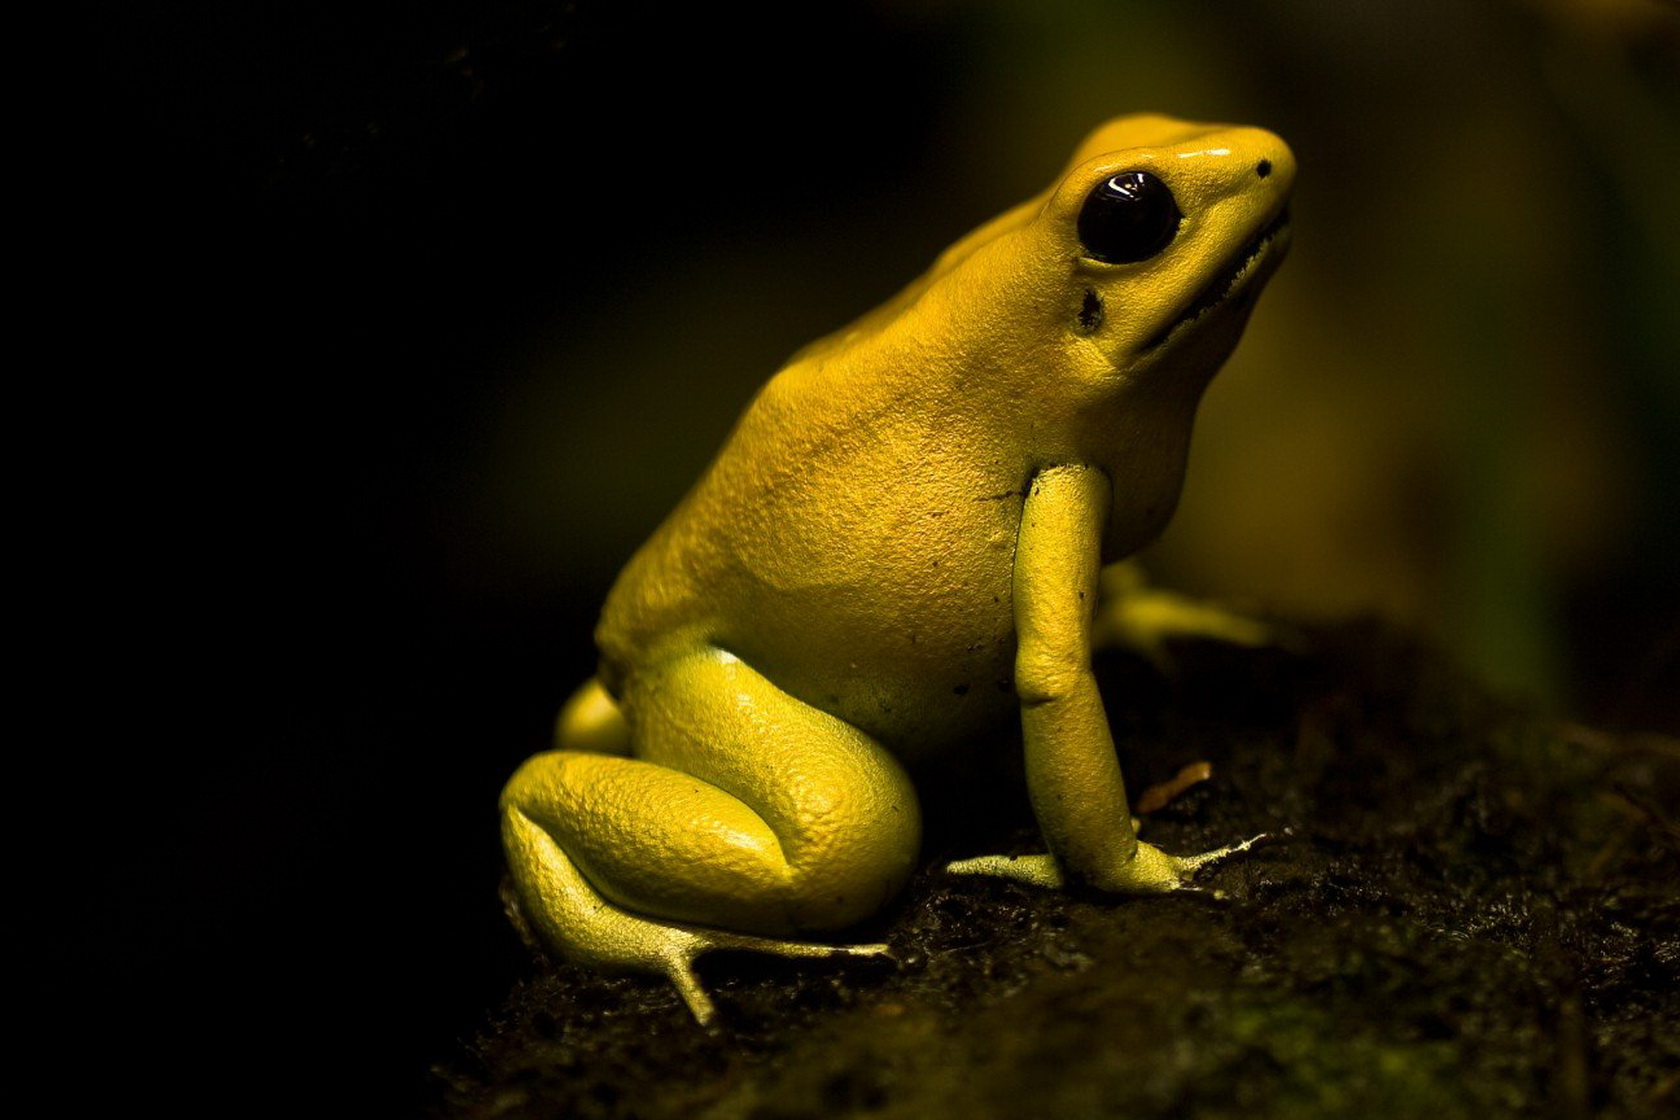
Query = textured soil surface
x=1467 y=910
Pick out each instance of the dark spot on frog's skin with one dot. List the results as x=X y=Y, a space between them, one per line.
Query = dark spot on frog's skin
x=1090 y=313
x=1002 y=496
x=961 y=690
x=1263 y=168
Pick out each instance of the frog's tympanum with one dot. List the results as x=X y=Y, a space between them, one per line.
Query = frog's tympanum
x=901 y=545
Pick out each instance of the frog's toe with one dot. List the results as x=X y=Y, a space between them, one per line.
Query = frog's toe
x=1189 y=866
x=1040 y=870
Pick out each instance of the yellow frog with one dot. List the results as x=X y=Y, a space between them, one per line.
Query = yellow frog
x=900 y=546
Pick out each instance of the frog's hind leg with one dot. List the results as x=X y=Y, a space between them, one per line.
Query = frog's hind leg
x=742 y=809
x=571 y=914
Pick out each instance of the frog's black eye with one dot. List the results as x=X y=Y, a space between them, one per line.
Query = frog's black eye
x=1128 y=217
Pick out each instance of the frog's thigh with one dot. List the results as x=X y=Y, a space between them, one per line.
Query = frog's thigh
x=742 y=808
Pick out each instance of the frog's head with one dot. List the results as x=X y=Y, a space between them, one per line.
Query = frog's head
x=1136 y=270
x=1156 y=243
x=1105 y=305
x=1165 y=232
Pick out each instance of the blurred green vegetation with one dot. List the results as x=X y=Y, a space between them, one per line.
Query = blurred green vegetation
x=1458 y=407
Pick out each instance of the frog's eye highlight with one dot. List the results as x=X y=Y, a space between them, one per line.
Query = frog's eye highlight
x=1128 y=217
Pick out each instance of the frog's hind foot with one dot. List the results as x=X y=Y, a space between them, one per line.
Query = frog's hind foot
x=680 y=969
x=556 y=906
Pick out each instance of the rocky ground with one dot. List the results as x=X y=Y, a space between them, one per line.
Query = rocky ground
x=1468 y=910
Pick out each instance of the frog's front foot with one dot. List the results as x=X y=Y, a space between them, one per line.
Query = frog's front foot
x=1149 y=871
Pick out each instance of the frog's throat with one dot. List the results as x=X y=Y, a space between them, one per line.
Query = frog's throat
x=1237 y=272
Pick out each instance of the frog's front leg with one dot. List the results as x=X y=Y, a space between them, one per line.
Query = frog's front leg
x=1073 y=775
x=1139 y=618
x=741 y=816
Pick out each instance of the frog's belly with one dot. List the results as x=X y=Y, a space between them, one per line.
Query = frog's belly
x=887 y=605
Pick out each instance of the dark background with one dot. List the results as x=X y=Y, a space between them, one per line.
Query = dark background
x=395 y=328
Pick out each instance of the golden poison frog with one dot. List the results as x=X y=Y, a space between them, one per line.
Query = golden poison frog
x=901 y=545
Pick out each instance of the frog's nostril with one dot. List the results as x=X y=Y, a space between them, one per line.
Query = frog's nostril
x=1263 y=168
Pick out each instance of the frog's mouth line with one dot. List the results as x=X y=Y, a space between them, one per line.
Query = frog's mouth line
x=1227 y=280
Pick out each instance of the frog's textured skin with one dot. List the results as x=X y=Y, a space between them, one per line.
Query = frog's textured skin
x=899 y=547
